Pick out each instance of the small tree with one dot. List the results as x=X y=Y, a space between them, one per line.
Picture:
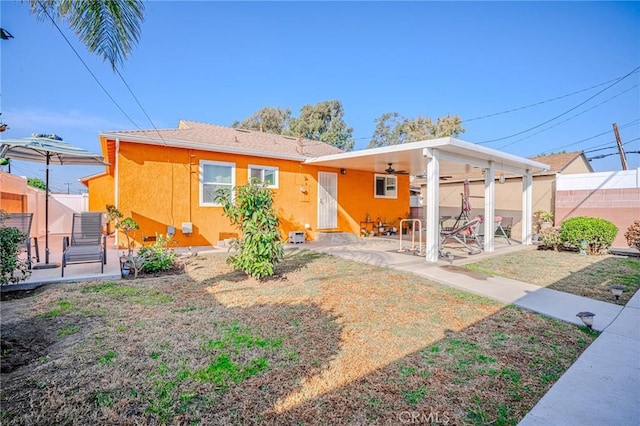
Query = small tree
x=252 y=213
x=126 y=225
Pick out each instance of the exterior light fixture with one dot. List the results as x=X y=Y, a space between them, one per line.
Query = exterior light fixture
x=343 y=171
x=587 y=318
x=501 y=179
x=617 y=291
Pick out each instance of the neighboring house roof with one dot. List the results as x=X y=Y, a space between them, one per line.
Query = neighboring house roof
x=559 y=162
x=210 y=137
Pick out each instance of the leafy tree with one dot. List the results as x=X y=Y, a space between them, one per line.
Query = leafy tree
x=36 y=183
x=324 y=122
x=267 y=119
x=109 y=28
x=394 y=129
x=321 y=122
x=260 y=248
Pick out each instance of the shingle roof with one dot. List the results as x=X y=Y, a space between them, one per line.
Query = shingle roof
x=557 y=162
x=202 y=134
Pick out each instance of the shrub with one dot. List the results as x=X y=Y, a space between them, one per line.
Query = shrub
x=633 y=235
x=597 y=233
x=550 y=238
x=158 y=257
x=260 y=247
x=12 y=269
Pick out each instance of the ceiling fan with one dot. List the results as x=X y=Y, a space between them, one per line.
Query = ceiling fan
x=392 y=171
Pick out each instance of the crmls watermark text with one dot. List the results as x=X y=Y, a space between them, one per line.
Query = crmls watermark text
x=419 y=417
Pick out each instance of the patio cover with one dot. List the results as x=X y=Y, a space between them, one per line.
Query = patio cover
x=440 y=157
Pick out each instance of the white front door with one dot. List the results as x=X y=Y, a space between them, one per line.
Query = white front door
x=327 y=200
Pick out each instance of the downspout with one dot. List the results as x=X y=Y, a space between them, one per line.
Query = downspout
x=116 y=192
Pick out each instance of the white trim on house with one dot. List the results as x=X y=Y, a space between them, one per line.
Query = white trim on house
x=276 y=176
x=201 y=182
x=393 y=195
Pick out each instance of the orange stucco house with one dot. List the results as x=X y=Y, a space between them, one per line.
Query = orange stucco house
x=168 y=178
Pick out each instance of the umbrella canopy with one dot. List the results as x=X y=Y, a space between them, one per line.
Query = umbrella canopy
x=43 y=148
x=48 y=149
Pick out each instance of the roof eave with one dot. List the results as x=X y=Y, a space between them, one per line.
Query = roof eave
x=204 y=147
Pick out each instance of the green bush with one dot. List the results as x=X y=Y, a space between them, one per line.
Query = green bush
x=633 y=235
x=260 y=247
x=550 y=238
x=12 y=269
x=158 y=257
x=598 y=234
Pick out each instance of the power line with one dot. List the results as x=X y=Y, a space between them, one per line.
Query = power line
x=562 y=114
x=533 y=104
x=611 y=147
x=86 y=66
x=540 y=102
x=631 y=123
x=141 y=107
x=570 y=118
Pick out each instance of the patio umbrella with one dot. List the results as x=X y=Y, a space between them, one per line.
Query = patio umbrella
x=48 y=149
x=466 y=204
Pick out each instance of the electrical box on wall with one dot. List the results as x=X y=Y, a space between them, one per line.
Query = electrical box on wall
x=296 y=237
x=187 y=227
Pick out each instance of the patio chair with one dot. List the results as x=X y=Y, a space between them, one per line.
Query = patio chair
x=504 y=228
x=499 y=230
x=87 y=243
x=22 y=221
x=463 y=234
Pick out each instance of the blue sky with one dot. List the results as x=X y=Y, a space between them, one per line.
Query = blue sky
x=217 y=62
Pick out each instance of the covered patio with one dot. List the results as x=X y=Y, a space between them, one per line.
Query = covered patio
x=433 y=159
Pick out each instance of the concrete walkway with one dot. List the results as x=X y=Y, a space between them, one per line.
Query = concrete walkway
x=601 y=388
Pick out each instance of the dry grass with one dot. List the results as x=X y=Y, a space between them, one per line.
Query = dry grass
x=589 y=276
x=329 y=342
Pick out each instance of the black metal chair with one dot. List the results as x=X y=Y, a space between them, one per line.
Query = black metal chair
x=87 y=243
x=22 y=221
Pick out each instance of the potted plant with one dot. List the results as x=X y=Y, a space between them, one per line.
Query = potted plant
x=127 y=225
x=545 y=219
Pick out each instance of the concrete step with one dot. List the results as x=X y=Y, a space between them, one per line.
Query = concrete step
x=337 y=237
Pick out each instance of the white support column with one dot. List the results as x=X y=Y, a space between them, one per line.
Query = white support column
x=433 y=203
x=116 y=184
x=489 y=207
x=527 y=207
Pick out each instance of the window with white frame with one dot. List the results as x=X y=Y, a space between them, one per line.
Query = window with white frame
x=386 y=186
x=264 y=174
x=215 y=175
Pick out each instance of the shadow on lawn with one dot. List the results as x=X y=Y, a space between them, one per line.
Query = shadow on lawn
x=492 y=372
x=156 y=350
x=143 y=358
